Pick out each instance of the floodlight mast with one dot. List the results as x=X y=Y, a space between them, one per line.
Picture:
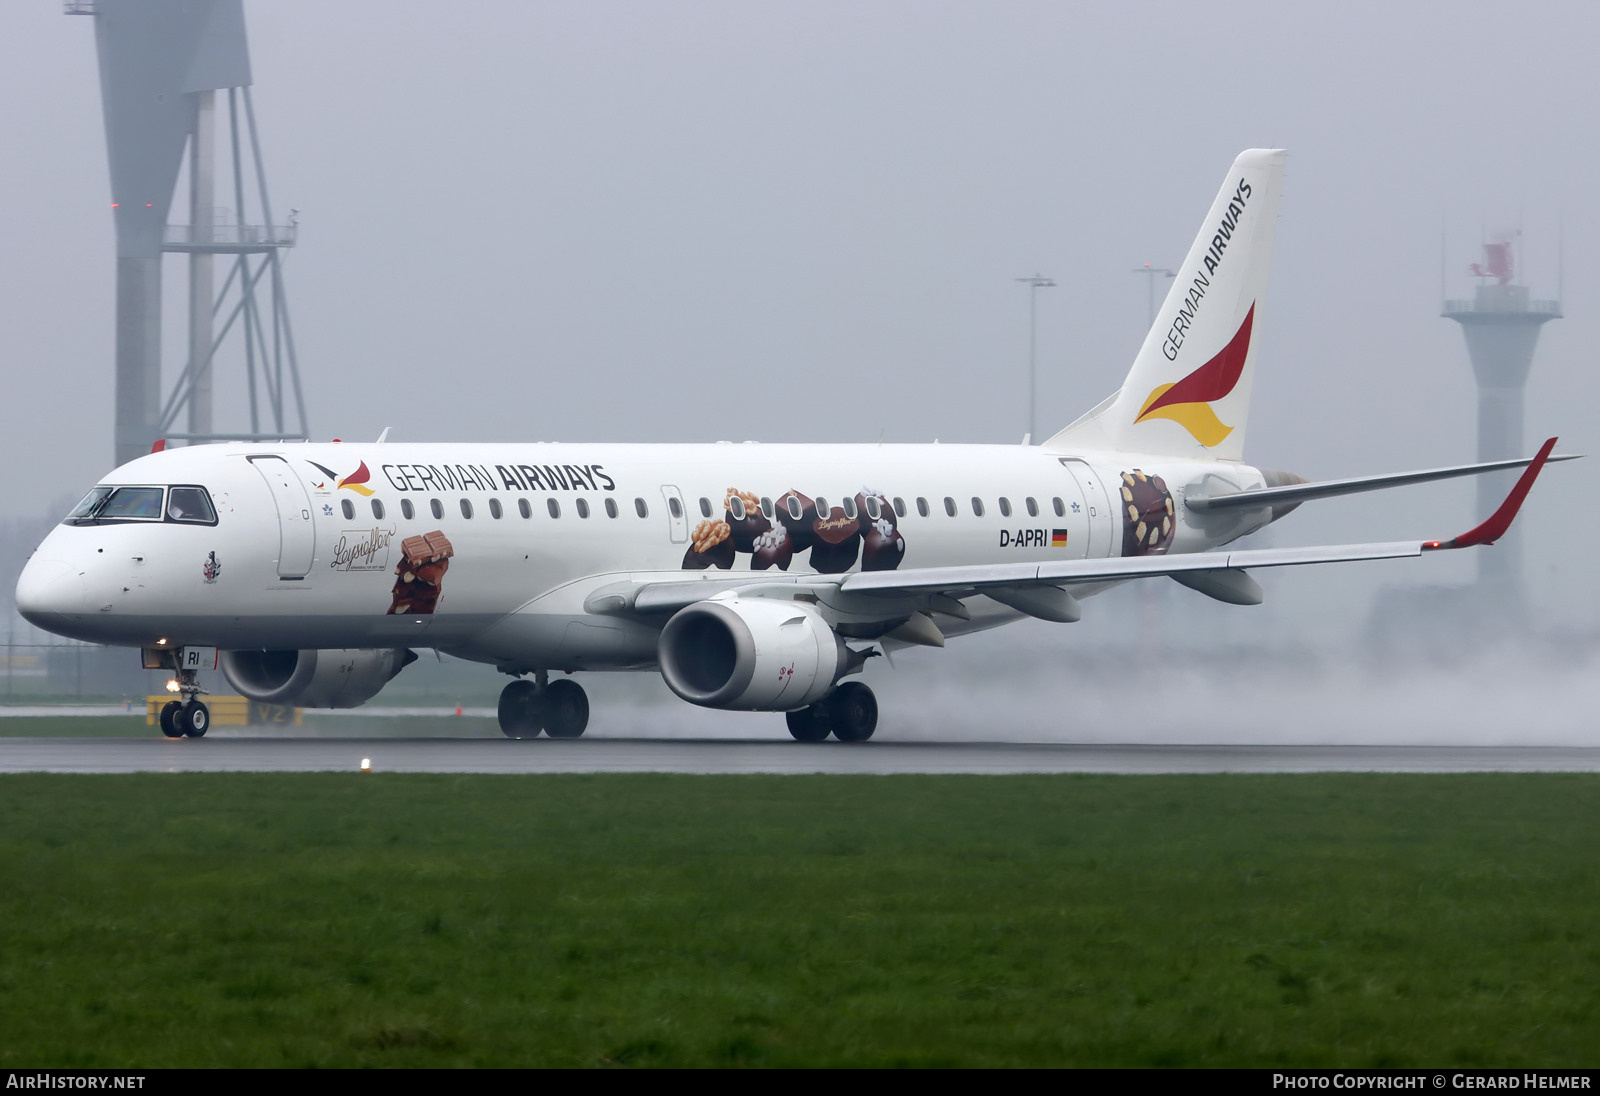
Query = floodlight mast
x=161 y=64
x=1034 y=282
x=1151 y=273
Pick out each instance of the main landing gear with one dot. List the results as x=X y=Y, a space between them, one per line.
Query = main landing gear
x=849 y=713
x=558 y=708
x=186 y=718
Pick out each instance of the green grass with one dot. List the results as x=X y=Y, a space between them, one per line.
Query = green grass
x=343 y=920
x=77 y=726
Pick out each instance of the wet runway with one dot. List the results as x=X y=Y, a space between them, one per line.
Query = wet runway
x=722 y=756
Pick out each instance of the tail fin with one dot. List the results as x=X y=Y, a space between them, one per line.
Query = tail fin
x=1188 y=393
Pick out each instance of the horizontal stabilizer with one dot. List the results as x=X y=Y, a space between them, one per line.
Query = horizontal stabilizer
x=1304 y=492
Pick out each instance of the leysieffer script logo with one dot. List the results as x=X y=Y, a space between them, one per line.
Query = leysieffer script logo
x=362 y=550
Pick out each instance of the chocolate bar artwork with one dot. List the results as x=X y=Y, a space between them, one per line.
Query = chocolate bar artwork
x=774 y=531
x=418 y=575
x=1148 y=519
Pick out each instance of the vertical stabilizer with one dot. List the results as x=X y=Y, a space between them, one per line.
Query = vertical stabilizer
x=1188 y=393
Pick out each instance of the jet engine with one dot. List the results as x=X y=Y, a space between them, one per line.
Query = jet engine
x=335 y=678
x=752 y=654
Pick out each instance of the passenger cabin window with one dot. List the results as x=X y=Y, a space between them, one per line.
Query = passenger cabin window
x=349 y=509
x=1005 y=507
x=705 y=508
x=899 y=506
x=377 y=509
x=190 y=505
x=407 y=511
x=950 y=506
x=641 y=508
x=766 y=508
x=583 y=507
x=823 y=509
x=466 y=508
x=437 y=507
x=874 y=509
x=1061 y=509
x=524 y=508
x=922 y=507
x=494 y=509
x=1033 y=506
x=611 y=507
x=849 y=505
x=736 y=507
x=553 y=506
x=795 y=509
x=675 y=507
x=977 y=506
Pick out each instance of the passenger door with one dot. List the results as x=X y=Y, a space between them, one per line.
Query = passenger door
x=297 y=535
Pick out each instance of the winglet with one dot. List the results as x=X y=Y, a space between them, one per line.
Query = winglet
x=1495 y=528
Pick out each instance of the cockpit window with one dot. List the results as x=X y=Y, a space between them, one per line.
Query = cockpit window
x=91 y=502
x=111 y=505
x=132 y=502
x=190 y=504
x=108 y=504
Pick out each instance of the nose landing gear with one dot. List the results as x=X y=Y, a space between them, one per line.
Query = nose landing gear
x=186 y=718
x=558 y=708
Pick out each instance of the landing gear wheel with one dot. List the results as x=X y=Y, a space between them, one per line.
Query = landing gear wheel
x=808 y=724
x=521 y=710
x=196 y=719
x=168 y=711
x=566 y=708
x=853 y=711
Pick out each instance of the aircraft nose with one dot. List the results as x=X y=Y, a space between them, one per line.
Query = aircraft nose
x=48 y=591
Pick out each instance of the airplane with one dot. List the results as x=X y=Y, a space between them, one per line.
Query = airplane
x=753 y=577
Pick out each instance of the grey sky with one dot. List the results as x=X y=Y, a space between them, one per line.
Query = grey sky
x=802 y=221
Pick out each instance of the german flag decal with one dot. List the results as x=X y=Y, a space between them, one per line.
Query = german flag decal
x=1058 y=538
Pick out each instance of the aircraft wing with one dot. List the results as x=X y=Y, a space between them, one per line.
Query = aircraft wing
x=1041 y=589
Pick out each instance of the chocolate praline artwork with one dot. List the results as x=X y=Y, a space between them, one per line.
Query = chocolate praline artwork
x=836 y=542
x=711 y=546
x=800 y=533
x=742 y=511
x=875 y=506
x=882 y=546
x=1149 y=518
x=772 y=549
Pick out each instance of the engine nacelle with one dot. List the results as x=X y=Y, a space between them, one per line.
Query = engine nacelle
x=752 y=654
x=346 y=678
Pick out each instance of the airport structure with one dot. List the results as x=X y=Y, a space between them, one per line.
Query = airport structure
x=162 y=65
x=1501 y=324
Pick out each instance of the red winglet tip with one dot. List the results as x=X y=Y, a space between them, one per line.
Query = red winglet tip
x=159 y=446
x=1495 y=528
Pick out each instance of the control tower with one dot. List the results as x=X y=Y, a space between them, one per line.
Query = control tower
x=1501 y=324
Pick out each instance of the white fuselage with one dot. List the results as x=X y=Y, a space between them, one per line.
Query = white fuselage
x=301 y=557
